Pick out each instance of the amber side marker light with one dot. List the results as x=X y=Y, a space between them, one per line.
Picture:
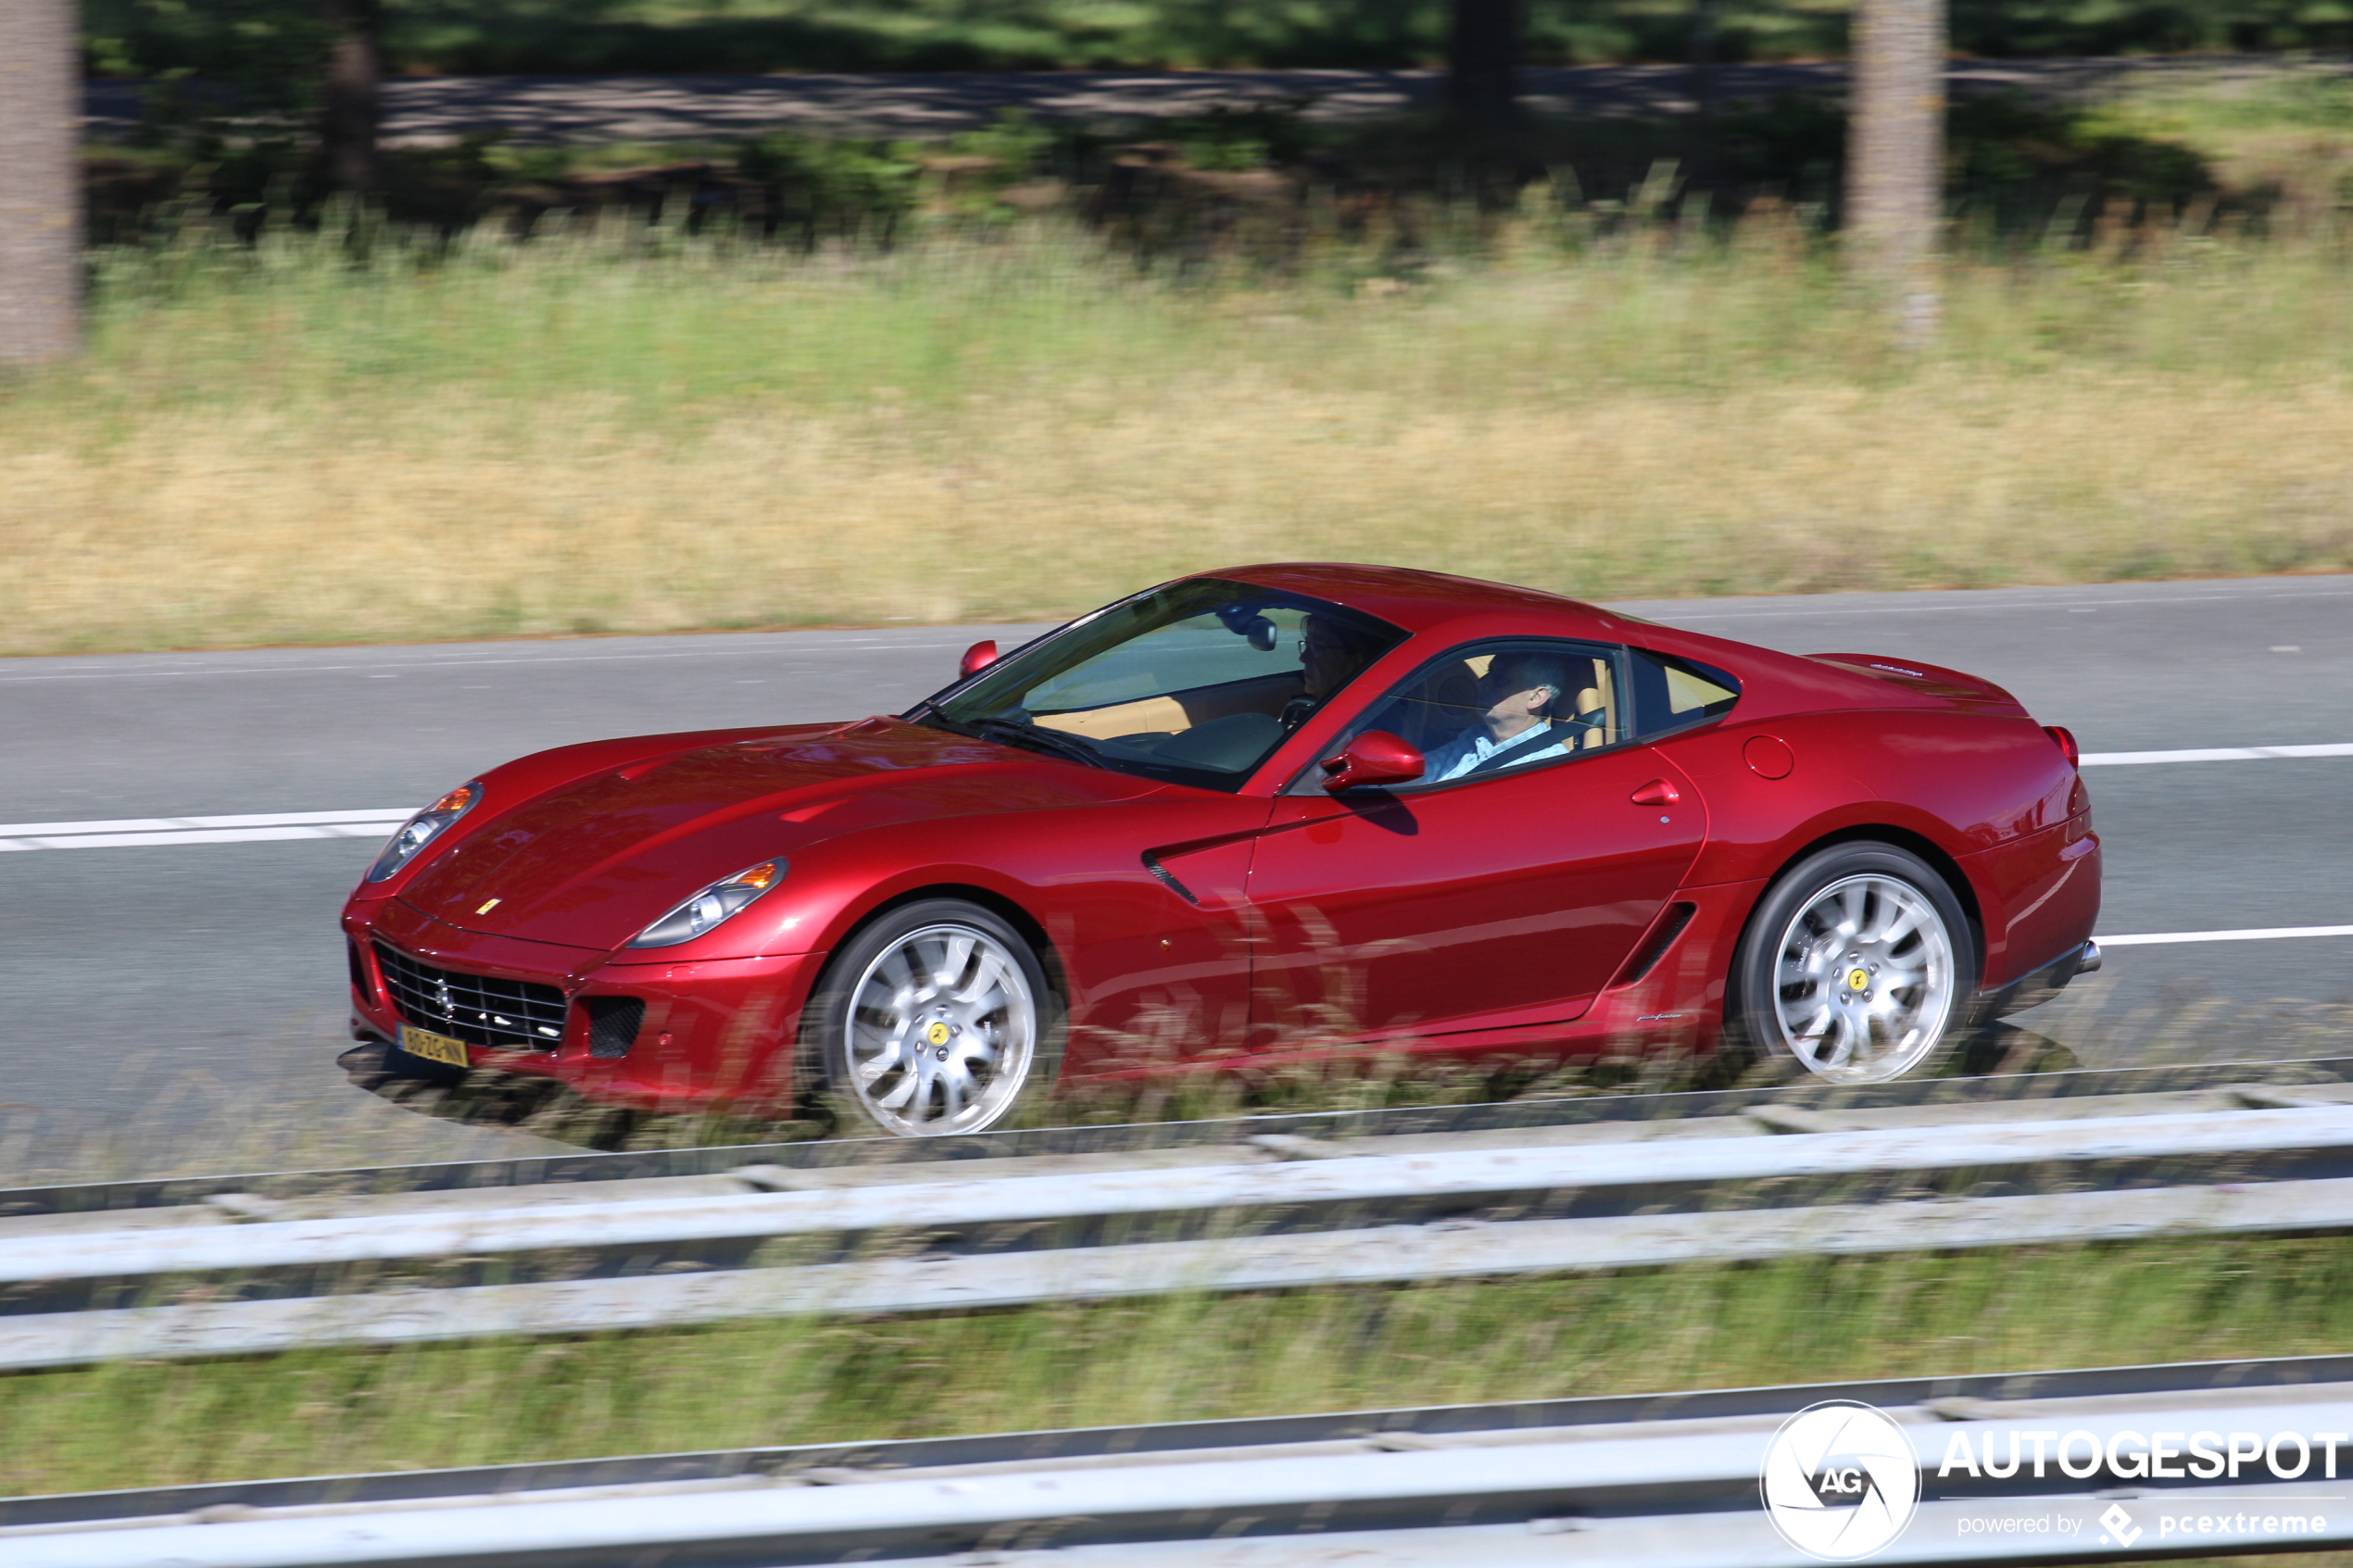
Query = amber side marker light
x=721 y=901
x=424 y=828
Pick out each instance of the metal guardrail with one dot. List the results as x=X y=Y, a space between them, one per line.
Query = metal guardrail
x=1662 y=1481
x=1327 y=1174
x=1633 y=1105
x=1281 y=1211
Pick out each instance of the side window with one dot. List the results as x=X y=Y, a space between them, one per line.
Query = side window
x=1489 y=708
x=1674 y=693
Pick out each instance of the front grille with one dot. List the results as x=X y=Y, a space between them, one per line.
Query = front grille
x=505 y=1015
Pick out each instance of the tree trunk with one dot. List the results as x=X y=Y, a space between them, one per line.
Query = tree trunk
x=348 y=110
x=1895 y=157
x=1703 y=174
x=40 y=179
x=1483 y=78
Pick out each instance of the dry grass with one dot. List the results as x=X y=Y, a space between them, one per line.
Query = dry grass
x=568 y=440
x=451 y=517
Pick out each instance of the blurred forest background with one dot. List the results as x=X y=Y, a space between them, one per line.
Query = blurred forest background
x=151 y=37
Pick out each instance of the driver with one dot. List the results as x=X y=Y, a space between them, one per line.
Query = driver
x=1521 y=694
x=1329 y=654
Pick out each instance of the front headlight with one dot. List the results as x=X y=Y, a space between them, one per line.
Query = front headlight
x=719 y=901
x=424 y=828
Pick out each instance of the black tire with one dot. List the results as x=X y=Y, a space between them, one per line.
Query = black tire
x=1785 y=978
x=919 y=1056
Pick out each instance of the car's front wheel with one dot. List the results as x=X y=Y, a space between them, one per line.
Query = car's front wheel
x=1859 y=966
x=937 y=1018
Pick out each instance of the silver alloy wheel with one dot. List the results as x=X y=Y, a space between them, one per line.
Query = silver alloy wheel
x=1864 y=980
x=941 y=1030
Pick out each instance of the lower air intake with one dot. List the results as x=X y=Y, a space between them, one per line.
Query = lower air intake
x=613 y=1023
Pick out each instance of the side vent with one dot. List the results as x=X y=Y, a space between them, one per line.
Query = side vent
x=1168 y=879
x=359 y=971
x=613 y=1023
x=1669 y=926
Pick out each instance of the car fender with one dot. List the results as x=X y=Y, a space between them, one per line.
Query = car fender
x=1776 y=787
x=1165 y=963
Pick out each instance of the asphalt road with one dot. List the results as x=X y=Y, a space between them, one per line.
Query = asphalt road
x=181 y=1005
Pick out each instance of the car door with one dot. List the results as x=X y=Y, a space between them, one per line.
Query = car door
x=1505 y=897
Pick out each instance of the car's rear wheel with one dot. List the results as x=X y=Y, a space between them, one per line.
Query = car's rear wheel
x=1857 y=966
x=937 y=1018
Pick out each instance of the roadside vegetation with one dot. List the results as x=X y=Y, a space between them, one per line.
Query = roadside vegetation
x=623 y=432
x=199 y=1123
x=797 y=382
x=1803 y=1320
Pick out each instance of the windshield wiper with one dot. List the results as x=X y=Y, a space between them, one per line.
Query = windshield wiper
x=1011 y=732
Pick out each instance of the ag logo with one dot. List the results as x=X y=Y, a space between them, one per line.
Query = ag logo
x=1840 y=1481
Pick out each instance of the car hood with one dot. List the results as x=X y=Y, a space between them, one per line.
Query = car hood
x=596 y=859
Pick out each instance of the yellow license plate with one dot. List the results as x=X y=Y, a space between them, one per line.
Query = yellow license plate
x=433 y=1047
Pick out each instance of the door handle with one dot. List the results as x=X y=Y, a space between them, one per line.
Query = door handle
x=1659 y=792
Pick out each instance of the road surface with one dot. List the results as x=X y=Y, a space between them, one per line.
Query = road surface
x=180 y=1004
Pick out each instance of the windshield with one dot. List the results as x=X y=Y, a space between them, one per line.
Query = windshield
x=1195 y=683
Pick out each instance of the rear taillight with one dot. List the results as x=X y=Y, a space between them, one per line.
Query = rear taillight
x=2065 y=741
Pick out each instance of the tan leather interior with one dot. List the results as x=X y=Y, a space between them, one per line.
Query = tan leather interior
x=1601 y=696
x=1180 y=711
x=1153 y=714
x=1588 y=700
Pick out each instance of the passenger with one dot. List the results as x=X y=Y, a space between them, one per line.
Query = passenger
x=1520 y=694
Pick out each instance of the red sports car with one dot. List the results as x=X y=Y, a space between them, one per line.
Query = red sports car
x=1274 y=814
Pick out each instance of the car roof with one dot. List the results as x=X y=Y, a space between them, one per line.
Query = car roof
x=1449 y=607
x=1420 y=601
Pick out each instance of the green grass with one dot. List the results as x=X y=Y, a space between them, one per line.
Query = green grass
x=793 y=1381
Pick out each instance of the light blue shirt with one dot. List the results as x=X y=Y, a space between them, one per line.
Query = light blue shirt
x=1475 y=745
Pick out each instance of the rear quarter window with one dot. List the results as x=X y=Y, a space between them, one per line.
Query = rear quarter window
x=1674 y=693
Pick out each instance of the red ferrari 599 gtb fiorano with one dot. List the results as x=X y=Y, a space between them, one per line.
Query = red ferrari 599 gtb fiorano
x=1270 y=814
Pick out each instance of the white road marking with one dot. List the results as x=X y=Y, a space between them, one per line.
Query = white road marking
x=128 y=832
x=174 y=824
x=1660 y=609
x=2210 y=754
x=215 y=836
x=2263 y=934
x=427 y=666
